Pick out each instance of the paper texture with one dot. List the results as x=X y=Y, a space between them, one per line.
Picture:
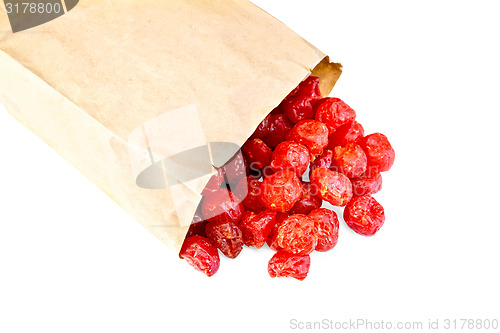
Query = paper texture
x=117 y=87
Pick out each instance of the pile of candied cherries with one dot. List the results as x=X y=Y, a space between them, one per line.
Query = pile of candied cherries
x=262 y=194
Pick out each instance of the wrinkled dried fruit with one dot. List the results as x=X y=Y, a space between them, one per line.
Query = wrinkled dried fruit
x=284 y=264
x=226 y=236
x=311 y=133
x=248 y=191
x=280 y=191
x=297 y=108
x=272 y=238
x=279 y=126
x=296 y=234
x=364 y=215
x=291 y=156
x=350 y=160
x=367 y=184
x=200 y=254
x=236 y=168
x=257 y=153
x=333 y=187
x=262 y=130
x=256 y=227
x=333 y=112
x=215 y=182
x=350 y=132
x=310 y=88
x=222 y=206
x=309 y=200
x=379 y=152
x=322 y=161
x=326 y=228
x=197 y=226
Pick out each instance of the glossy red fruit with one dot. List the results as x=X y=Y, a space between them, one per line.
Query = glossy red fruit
x=279 y=126
x=311 y=133
x=236 y=168
x=333 y=187
x=310 y=88
x=379 y=152
x=222 y=206
x=350 y=160
x=297 y=108
x=350 y=132
x=215 y=182
x=296 y=235
x=291 y=156
x=367 y=184
x=257 y=153
x=272 y=238
x=248 y=191
x=197 y=226
x=256 y=227
x=333 y=112
x=262 y=130
x=200 y=254
x=364 y=215
x=326 y=228
x=280 y=191
x=309 y=200
x=226 y=236
x=322 y=161
x=284 y=264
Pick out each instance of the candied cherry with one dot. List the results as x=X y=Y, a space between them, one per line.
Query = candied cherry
x=296 y=234
x=347 y=133
x=309 y=200
x=222 y=206
x=236 y=168
x=298 y=105
x=200 y=254
x=248 y=191
x=226 y=236
x=333 y=187
x=280 y=191
x=292 y=156
x=350 y=160
x=379 y=152
x=256 y=227
x=311 y=133
x=367 y=184
x=272 y=238
x=333 y=112
x=262 y=129
x=279 y=126
x=258 y=154
x=215 y=182
x=197 y=226
x=364 y=215
x=326 y=228
x=322 y=161
x=284 y=264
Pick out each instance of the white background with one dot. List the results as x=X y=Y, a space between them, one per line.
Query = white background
x=424 y=73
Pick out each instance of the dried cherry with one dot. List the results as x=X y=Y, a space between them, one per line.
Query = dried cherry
x=226 y=236
x=349 y=132
x=280 y=191
x=236 y=168
x=248 y=191
x=200 y=254
x=256 y=227
x=309 y=200
x=310 y=133
x=367 y=184
x=284 y=264
x=326 y=228
x=197 y=226
x=272 y=238
x=364 y=215
x=322 y=161
x=292 y=156
x=296 y=234
x=258 y=154
x=214 y=182
x=279 y=126
x=222 y=206
x=333 y=187
x=350 y=160
x=333 y=112
x=262 y=130
x=379 y=152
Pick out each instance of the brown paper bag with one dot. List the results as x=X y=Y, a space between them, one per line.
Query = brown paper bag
x=118 y=87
